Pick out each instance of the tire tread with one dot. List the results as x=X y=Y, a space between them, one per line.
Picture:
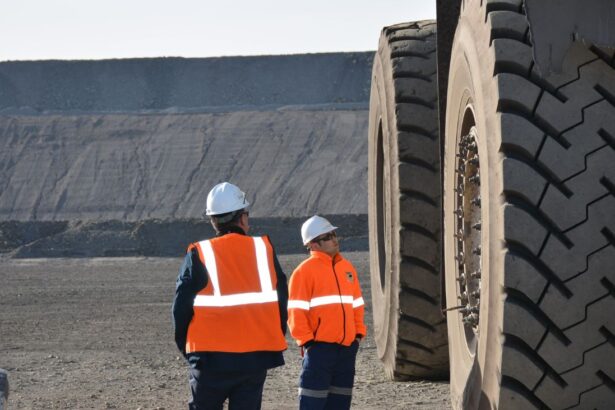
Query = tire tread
x=421 y=340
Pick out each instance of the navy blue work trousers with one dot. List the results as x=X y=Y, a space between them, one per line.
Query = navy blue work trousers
x=244 y=390
x=327 y=376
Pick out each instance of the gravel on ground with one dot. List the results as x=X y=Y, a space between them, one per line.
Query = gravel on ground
x=96 y=333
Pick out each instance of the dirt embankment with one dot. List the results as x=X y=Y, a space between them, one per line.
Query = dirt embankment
x=137 y=167
x=111 y=151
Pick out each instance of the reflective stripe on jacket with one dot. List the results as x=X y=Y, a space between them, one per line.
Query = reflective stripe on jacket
x=238 y=309
x=325 y=302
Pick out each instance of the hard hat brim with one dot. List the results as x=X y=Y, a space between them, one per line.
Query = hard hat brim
x=245 y=206
x=310 y=239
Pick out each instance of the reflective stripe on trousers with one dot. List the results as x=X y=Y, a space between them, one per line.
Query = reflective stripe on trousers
x=321 y=394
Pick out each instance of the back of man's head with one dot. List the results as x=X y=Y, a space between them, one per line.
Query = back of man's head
x=224 y=222
x=226 y=203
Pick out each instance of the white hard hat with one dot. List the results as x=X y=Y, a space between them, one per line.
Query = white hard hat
x=314 y=227
x=224 y=198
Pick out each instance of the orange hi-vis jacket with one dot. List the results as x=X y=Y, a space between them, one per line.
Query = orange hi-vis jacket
x=325 y=302
x=238 y=309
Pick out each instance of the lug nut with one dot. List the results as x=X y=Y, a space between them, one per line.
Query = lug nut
x=471 y=320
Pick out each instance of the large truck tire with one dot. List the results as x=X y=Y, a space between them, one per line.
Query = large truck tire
x=404 y=204
x=529 y=219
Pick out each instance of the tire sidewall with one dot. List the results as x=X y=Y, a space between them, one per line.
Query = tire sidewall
x=384 y=301
x=474 y=377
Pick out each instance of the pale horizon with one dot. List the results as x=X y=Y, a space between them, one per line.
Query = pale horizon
x=122 y=29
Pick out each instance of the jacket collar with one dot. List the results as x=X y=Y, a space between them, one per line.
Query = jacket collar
x=231 y=229
x=325 y=257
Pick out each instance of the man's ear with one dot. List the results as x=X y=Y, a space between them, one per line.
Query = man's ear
x=244 y=221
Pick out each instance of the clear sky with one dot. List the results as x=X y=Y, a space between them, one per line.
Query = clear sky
x=98 y=29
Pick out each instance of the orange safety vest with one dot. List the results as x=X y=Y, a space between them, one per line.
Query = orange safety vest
x=238 y=310
x=325 y=302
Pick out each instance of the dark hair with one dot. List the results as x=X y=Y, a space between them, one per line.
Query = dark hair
x=224 y=222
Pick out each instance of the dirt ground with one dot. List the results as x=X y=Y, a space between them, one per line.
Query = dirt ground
x=97 y=333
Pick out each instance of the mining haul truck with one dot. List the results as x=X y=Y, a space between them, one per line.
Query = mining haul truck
x=492 y=202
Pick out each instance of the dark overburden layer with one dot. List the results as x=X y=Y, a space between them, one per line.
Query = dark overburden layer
x=162 y=83
x=155 y=237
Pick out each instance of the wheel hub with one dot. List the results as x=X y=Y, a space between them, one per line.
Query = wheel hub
x=468 y=223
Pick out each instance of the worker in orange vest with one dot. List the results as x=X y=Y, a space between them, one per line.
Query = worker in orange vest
x=230 y=307
x=325 y=316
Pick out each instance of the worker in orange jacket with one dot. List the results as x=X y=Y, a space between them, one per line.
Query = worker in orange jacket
x=325 y=316
x=229 y=310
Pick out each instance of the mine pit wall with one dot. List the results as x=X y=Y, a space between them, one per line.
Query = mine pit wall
x=137 y=167
x=121 y=177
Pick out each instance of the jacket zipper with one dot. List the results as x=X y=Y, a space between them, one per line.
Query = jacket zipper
x=339 y=291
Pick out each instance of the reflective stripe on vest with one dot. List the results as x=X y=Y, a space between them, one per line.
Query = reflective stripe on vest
x=325 y=300
x=266 y=295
